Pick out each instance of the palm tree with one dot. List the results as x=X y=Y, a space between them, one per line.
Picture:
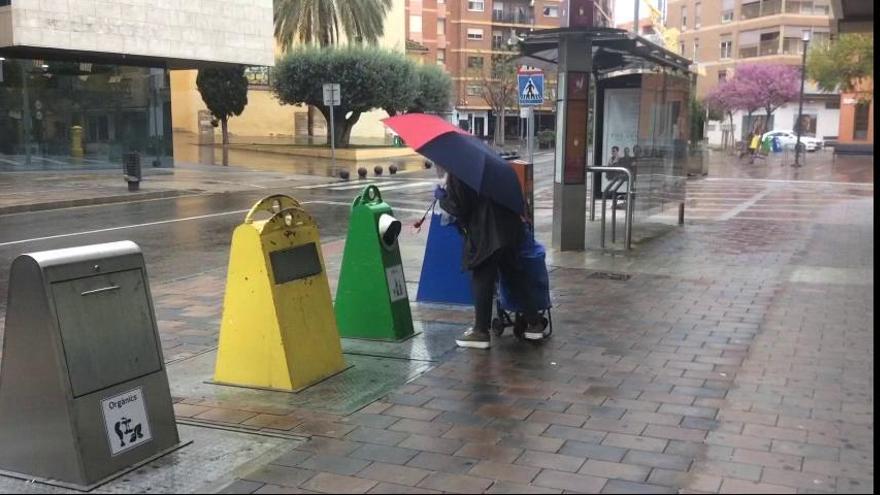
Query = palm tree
x=322 y=22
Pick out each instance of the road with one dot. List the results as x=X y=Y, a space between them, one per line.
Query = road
x=189 y=235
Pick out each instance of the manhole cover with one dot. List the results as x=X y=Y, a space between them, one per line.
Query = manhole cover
x=620 y=277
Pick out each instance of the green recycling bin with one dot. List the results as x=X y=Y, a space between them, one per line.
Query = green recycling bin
x=372 y=300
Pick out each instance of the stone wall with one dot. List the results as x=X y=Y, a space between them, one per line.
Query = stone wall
x=232 y=31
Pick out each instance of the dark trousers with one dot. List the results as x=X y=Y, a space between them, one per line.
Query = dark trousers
x=484 y=278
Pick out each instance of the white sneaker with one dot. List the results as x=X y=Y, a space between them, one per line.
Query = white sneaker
x=537 y=332
x=474 y=339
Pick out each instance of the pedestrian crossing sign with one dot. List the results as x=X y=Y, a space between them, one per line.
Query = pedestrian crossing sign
x=531 y=87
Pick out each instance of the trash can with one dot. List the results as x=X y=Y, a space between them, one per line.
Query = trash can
x=131 y=168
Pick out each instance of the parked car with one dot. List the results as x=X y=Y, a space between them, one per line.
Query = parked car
x=789 y=139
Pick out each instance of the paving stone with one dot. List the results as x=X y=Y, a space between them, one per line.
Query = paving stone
x=634 y=442
x=442 y=462
x=411 y=412
x=550 y=461
x=384 y=453
x=456 y=483
x=768 y=459
x=378 y=436
x=334 y=483
x=493 y=453
x=615 y=470
x=426 y=428
x=507 y=487
x=557 y=418
x=572 y=433
x=504 y=471
x=392 y=488
x=578 y=483
x=654 y=459
x=431 y=444
x=334 y=464
x=730 y=485
x=618 y=486
x=531 y=442
x=391 y=473
x=280 y=475
x=242 y=486
x=592 y=451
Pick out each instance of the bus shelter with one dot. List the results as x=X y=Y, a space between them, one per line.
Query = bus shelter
x=615 y=89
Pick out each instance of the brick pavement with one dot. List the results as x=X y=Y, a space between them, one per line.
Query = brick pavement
x=738 y=358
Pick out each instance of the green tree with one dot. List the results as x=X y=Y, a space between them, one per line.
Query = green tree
x=224 y=91
x=369 y=78
x=846 y=64
x=323 y=22
x=434 y=92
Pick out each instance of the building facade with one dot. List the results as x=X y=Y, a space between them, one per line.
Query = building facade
x=85 y=82
x=720 y=34
x=856 y=131
x=463 y=36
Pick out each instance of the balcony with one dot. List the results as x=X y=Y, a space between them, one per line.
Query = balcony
x=768 y=47
x=748 y=51
x=513 y=17
x=761 y=9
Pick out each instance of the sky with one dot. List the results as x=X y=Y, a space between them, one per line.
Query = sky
x=624 y=10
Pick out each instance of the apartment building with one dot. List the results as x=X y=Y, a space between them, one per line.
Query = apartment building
x=719 y=34
x=463 y=35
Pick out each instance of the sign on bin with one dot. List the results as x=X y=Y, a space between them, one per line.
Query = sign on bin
x=125 y=420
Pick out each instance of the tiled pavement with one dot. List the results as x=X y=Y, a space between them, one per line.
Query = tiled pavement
x=738 y=358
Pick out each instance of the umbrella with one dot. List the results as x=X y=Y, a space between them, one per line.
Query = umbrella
x=462 y=155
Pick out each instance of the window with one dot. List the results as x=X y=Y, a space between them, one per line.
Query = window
x=748 y=43
x=769 y=44
x=681 y=48
x=475 y=62
x=415 y=24
x=696 y=49
x=860 y=121
x=441 y=26
x=474 y=34
x=832 y=105
x=476 y=5
x=441 y=57
x=722 y=75
x=551 y=11
x=726 y=11
x=684 y=17
x=807 y=124
x=473 y=90
x=698 y=11
x=726 y=47
x=497 y=41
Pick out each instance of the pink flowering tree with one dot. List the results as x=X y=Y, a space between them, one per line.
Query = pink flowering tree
x=767 y=86
x=722 y=99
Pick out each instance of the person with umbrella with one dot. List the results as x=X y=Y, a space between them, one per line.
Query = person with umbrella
x=483 y=194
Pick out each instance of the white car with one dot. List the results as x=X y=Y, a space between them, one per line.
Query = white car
x=789 y=139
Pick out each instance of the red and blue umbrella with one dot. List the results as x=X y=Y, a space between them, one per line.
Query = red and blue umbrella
x=462 y=155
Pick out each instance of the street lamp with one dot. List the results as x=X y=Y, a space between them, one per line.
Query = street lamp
x=800 y=124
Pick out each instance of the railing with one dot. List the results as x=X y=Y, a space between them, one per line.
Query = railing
x=612 y=188
x=769 y=47
x=513 y=17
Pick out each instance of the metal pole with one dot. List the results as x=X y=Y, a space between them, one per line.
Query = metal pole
x=26 y=123
x=332 y=137
x=530 y=140
x=636 y=17
x=629 y=211
x=797 y=146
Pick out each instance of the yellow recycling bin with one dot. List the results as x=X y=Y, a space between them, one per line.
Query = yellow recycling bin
x=279 y=330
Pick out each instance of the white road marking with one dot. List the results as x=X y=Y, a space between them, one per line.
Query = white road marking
x=175 y=220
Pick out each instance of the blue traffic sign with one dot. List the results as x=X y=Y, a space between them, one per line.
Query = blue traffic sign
x=531 y=88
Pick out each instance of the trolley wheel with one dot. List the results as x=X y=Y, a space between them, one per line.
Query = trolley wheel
x=497 y=327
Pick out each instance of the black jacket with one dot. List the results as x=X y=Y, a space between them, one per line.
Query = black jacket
x=486 y=226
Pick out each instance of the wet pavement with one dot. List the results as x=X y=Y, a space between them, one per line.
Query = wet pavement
x=736 y=355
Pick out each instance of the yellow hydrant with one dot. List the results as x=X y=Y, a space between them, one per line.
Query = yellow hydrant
x=76 y=142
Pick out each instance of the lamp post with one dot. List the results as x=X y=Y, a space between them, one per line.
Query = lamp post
x=797 y=147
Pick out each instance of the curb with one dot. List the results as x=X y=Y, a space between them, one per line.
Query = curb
x=71 y=203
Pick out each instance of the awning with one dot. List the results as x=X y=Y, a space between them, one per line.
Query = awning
x=613 y=50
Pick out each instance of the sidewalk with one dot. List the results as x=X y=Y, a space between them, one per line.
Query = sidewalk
x=734 y=355
x=738 y=357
